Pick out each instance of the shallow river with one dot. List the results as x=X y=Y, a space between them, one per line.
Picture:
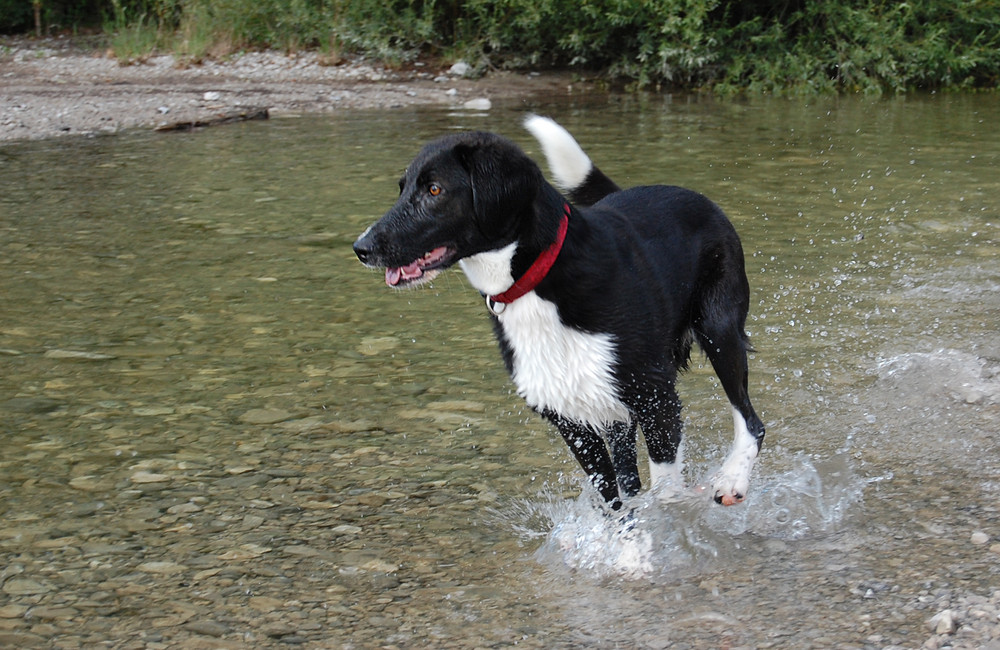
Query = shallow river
x=219 y=430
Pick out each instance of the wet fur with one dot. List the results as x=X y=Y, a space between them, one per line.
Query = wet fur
x=597 y=346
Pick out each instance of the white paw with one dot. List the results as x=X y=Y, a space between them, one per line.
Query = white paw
x=731 y=484
x=666 y=480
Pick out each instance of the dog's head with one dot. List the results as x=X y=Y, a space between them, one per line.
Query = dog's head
x=462 y=195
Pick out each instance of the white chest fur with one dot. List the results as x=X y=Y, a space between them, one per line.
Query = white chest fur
x=555 y=367
x=561 y=368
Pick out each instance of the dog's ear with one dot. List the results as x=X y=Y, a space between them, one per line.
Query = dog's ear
x=504 y=181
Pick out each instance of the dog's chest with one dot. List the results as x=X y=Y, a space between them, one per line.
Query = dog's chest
x=559 y=368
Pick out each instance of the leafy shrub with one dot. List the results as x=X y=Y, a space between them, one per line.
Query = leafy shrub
x=785 y=46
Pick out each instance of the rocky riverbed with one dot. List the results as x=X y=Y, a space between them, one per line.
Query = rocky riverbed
x=56 y=87
x=171 y=487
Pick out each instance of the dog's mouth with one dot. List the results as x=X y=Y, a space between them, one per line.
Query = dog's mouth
x=421 y=270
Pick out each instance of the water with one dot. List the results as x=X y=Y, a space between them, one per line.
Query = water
x=217 y=425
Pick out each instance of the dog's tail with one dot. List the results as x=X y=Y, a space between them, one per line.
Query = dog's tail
x=572 y=168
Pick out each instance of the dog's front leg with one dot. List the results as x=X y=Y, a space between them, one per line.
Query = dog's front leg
x=590 y=451
x=622 y=440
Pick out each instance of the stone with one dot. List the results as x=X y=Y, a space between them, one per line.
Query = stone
x=478 y=104
x=20 y=640
x=49 y=613
x=147 y=411
x=943 y=622
x=265 y=604
x=979 y=538
x=375 y=345
x=33 y=404
x=300 y=550
x=265 y=416
x=78 y=355
x=86 y=483
x=143 y=476
x=25 y=587
x=250 y=522
x=207 y=628
x=164 y=567
x=347 y=529
x=184 y=508
x=12 y=611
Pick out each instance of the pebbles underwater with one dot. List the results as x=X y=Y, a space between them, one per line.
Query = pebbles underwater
x=220 y=431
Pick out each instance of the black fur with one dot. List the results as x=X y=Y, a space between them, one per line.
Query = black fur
x=655 y=267
x=594 y=188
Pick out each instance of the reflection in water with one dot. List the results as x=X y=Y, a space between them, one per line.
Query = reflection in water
x=216 y=424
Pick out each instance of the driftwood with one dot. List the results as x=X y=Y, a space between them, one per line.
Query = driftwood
x=224 y=118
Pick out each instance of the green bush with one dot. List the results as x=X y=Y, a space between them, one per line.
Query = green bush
x=865 y=46
x=779 y=46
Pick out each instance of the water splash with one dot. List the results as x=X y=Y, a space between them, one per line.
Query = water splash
x=955 y=374
x=654 y=540
x=812 y=498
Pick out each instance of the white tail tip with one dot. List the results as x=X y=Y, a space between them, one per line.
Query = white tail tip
x=567 y=161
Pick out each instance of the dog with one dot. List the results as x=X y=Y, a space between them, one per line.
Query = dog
x=596 y=294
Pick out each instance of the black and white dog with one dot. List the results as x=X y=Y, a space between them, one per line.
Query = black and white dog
x=595 y=300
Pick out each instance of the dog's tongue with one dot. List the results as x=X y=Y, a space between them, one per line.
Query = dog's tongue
x=414 y=269
x=394 y=276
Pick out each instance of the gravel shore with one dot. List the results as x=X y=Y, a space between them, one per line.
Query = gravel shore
x=55 y=87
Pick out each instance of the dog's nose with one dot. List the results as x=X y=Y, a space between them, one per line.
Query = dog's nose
x=363 y=248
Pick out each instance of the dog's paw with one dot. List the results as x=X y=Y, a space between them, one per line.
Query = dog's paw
x=731 y=484
x=666 y=481
x=729 y=497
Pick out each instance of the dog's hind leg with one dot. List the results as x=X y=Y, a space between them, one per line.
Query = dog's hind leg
x=590 y=451
x=726 y=348
x=621 y=439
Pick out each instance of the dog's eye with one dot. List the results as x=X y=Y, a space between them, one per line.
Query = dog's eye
x=433 y=189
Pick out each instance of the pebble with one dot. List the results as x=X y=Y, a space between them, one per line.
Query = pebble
x=979 y=538
x=265 y=416
x=13 y=611
x=79 y=355
x=25 y=587
x=943 y=622
x=153 y=411
x=164 y=567
x=478 y=104
x=50 y=613
x=208 y=628
x=460 y=69
x=21 y=640
x=143 y=476
x=33 y=404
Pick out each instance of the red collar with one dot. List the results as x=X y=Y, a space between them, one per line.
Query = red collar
x=536 y=272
